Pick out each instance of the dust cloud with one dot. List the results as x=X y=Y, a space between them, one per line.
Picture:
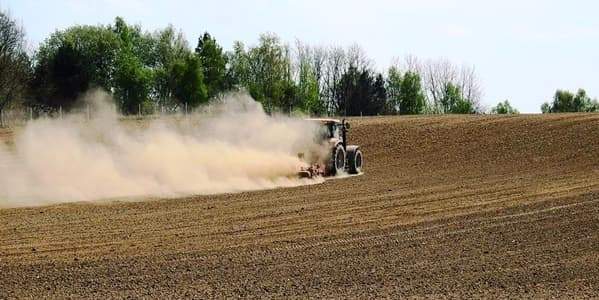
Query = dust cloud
x=231 y=146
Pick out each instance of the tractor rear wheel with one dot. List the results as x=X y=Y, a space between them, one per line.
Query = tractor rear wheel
x=337 y=162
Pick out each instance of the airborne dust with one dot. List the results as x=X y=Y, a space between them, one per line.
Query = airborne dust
x=232 y=146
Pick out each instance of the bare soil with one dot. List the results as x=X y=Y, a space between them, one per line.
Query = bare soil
x=448 y=207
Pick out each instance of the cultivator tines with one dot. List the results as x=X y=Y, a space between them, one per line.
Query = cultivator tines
x=315 y=170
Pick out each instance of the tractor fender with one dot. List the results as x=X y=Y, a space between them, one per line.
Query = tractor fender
x=352 y=148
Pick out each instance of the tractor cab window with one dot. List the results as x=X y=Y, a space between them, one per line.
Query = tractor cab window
x=329 y=131
x=323 y=133
x=334 y=130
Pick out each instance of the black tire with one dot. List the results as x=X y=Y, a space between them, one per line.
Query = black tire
x=354 y=160
x=337 y=161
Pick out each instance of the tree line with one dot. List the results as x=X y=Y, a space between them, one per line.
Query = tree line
x=566 y=101
x=145 y=69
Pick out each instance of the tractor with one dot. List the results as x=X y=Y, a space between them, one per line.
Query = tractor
x=341 y=157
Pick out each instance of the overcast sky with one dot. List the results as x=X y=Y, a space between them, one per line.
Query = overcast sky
x=522 y=50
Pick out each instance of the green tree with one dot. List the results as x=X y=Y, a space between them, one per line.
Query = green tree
x=72 y=61
x=411 y=97
x=378 y=103
x=268 y=76
x=132 y=84
x=15 y=71
x=308 y=91
x=394 y=80
x=359 y=93
x=545 y=108
x=504 y=108
x=188 y=82
x=565 y=101
x=349 y=92
x=213 y=63
x=288 y=99
x=452 y=101
x=237 y=73
x=137 y=66
x=133 y=40
x=264 y=71
x=169 y=47
x=132 y=80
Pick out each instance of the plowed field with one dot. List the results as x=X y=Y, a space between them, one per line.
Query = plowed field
x=448 y=206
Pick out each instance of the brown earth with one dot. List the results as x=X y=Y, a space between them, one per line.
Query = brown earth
x=449 y=206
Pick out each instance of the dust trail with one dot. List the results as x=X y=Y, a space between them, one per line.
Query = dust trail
x=233 y=146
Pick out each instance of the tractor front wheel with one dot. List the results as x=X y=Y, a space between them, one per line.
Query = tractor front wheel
x=354 y=159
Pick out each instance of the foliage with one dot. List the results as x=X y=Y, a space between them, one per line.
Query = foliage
x=308 y=93
x=412 y=100
x=504 y=108
x=565 y=101
x=134 y=41
x=265 y=71
x=394 y=80
x=359 y=93
x=72 y=61
x=452 y=101
x=237 y=73
x=188 y=85
x=143 y=69
x=406 y=95
x=168 y=48
x=213 y=63
x=378 y=103
x=140 y=68
x=14 y=62
x=133 y=78
x=132 y=83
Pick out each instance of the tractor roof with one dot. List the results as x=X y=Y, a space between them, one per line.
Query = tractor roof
x=325 y=121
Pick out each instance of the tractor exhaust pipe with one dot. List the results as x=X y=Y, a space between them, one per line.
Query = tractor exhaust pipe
x=344 y=128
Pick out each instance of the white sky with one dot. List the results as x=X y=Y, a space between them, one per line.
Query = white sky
x=522 y=50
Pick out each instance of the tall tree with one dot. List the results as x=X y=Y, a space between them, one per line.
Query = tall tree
x=411 y=97
x=405 y=92
x=358 y=93
x=169 y=48
x=237 y=73
x=14 y=62
x=334 y=68
x=394 y=80
x=348 y=92
x=132 y=39
x=378 y=104
x=308 y=64
x=308 y=91
x=264 y=70
x=188 y=82
x=356 y=56
x=132 y=83
x=133 y=76
x=213 y=63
